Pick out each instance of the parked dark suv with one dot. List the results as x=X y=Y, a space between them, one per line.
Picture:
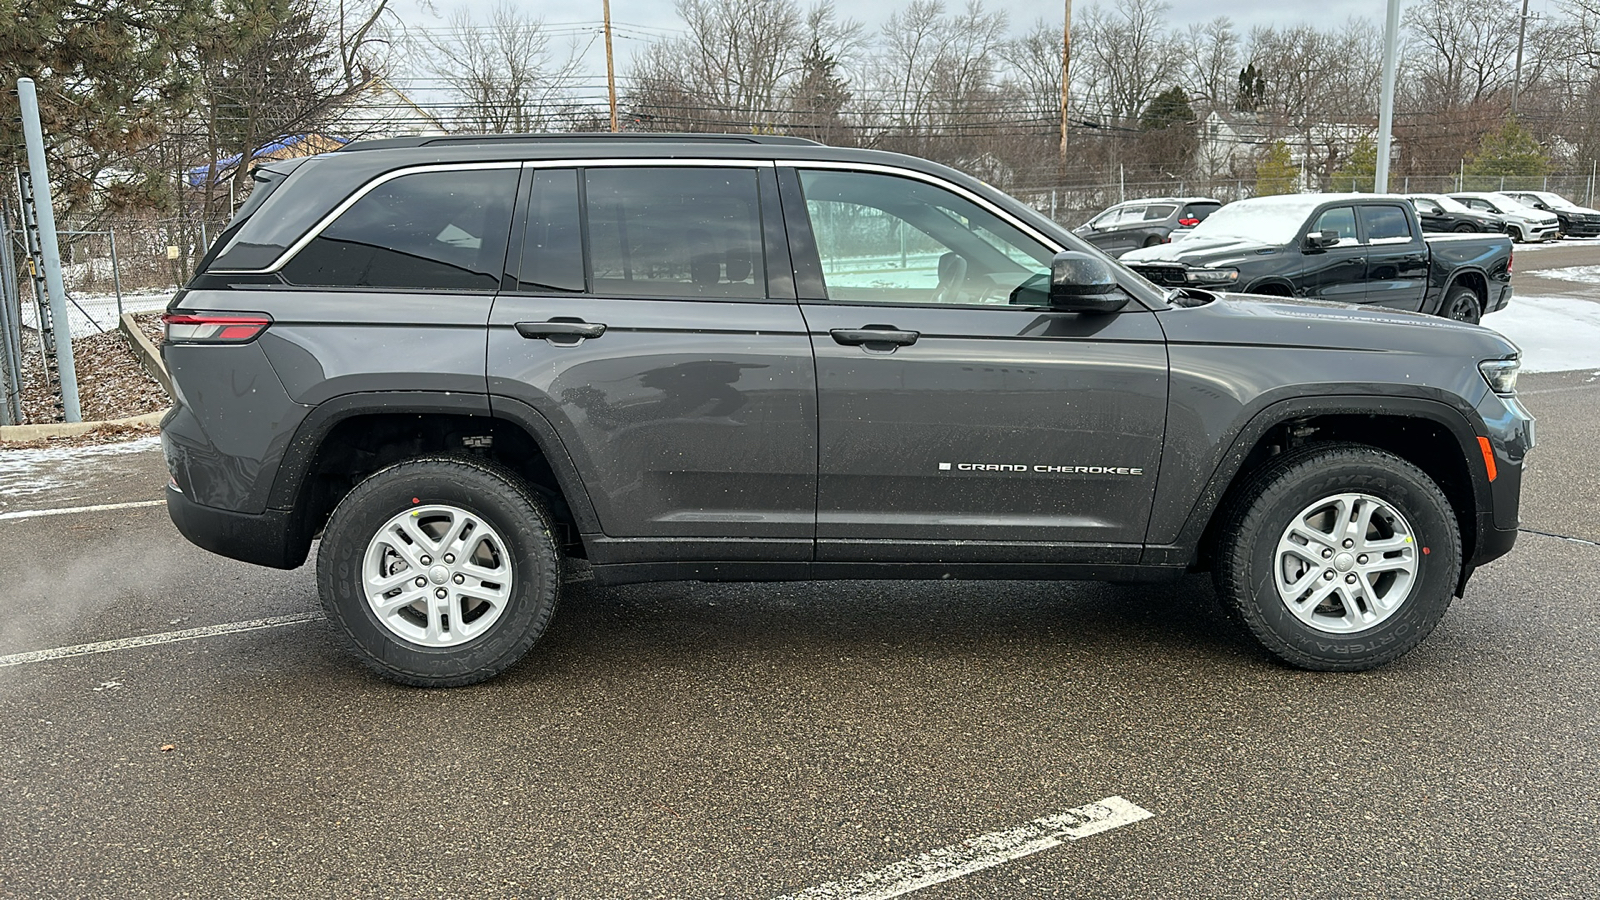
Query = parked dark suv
x=469 y=363
x=1144 y=223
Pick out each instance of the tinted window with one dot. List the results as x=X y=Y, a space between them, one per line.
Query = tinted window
x=1385 y=223
x=432 y=230
x=1158 y=211
x=1340 y=219
x=676 y=232
x=884 y=239
x=552 y=246
x=1200 y=210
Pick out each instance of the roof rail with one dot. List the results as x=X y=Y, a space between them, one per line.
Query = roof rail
x=577 y=137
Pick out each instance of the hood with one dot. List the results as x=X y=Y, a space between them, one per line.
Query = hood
x=1195 y=250
x=1253 y=320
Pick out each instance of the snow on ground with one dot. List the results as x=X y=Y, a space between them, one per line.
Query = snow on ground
x=85 y=311
x=27 y=472
x=1556 y=334
x=1580 y=274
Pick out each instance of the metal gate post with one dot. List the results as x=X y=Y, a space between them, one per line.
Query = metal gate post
x=45 y=213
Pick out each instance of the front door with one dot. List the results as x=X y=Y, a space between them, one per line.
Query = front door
x=1337 y=273
x=953 y=405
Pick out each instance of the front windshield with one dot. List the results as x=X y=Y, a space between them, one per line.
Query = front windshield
x=1508 y=203
x=1555 y=201
x=1270 y=221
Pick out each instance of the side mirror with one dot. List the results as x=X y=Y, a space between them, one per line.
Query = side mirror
x=1435 y=211
x=1321 y=240
x=1080 y=282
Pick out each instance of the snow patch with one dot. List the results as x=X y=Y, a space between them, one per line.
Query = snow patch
x=1556 y=334
x=24 y=473
x=1580 y=274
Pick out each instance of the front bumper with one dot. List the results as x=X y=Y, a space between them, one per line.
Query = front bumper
x=1581 y=229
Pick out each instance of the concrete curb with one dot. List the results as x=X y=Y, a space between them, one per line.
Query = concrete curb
x=10 y=433
x=145 y=352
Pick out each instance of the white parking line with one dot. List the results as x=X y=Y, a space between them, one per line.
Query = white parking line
x=70 y=510
x=978 y=853
x=168 y=637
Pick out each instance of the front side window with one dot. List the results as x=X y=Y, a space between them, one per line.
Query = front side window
x=423 y=231
x=886 y=239
x=1341 y=220
x=676 y=231
x=1385 y=223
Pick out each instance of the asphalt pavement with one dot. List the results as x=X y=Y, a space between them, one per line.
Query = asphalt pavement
x=757 y=741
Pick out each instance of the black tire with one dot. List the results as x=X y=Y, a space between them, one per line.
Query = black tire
x=476 y=488
x=1461 y=304
x=1256 y=519
x=1153 y=240
x=1465 y=227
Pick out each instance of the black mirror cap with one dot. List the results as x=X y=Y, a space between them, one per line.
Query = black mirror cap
x=1082 y=282
x=1321 y=240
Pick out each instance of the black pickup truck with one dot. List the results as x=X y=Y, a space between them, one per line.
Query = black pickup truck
x=1349 y=248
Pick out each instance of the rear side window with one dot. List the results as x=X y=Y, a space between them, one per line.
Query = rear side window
x=675 y=231
x=428 y=231
x=1199 y=211
x=1158 y=211
x=1385 y=223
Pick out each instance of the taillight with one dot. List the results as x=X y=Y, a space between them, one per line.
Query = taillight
x=232 y=328
x=1189 y=222
x=1510 y=258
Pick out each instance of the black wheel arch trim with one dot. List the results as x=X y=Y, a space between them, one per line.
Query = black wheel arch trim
x=1464 y=425
x=322 y=419
x=1455 y=280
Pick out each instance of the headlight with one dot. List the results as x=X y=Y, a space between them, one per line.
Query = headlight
x=1501 y=374
x=1213 y=276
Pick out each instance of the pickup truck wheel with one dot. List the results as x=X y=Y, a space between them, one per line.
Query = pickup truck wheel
x=1339 y=557
x=441 y=571
x=1462 y=305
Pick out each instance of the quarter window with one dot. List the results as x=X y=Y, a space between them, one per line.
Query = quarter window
x=428 y=230
x=676 y=231
x=884 y=239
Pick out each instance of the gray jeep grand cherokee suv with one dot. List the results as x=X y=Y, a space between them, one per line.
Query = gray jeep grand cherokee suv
x=464 y=362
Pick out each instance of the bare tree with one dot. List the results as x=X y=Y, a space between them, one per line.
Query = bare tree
x=728 y=72
x=1462 y=51
x=1211 y=61
x=934 y=75
x=504 y=75
x=1127 y=58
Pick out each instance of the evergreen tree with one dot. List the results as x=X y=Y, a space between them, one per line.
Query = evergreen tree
x=819 y=96
x=1275 y=173
x=109 y=87
x=1252 y=90
x=1169 y=132
x=1359 y=171
x=1511 y=151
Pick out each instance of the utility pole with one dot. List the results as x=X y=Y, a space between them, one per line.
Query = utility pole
x=611 y=70
x=1391 y=40
x=1066 y=60
x=1516 y=80
x=44 y=215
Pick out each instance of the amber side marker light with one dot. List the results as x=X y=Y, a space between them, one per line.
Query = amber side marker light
x=1488 y=457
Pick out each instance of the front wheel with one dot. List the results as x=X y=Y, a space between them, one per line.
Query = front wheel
x=1465 y=227
x=1339 y=557
x=442 y=571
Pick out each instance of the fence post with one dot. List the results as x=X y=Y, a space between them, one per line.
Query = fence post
x=10 y=330
x=50 y=252
x=116 y=274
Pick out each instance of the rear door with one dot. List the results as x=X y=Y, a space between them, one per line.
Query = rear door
x=1397 y=259
x=961 y=419
x=653 y=324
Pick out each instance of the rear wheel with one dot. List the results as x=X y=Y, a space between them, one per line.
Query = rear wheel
x=1465 y=227
x=1339 y=557
x=1462 y=305
x=1152 y=240
x=441 y=571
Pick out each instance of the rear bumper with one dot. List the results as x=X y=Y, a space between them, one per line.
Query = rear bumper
x=259 y=538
